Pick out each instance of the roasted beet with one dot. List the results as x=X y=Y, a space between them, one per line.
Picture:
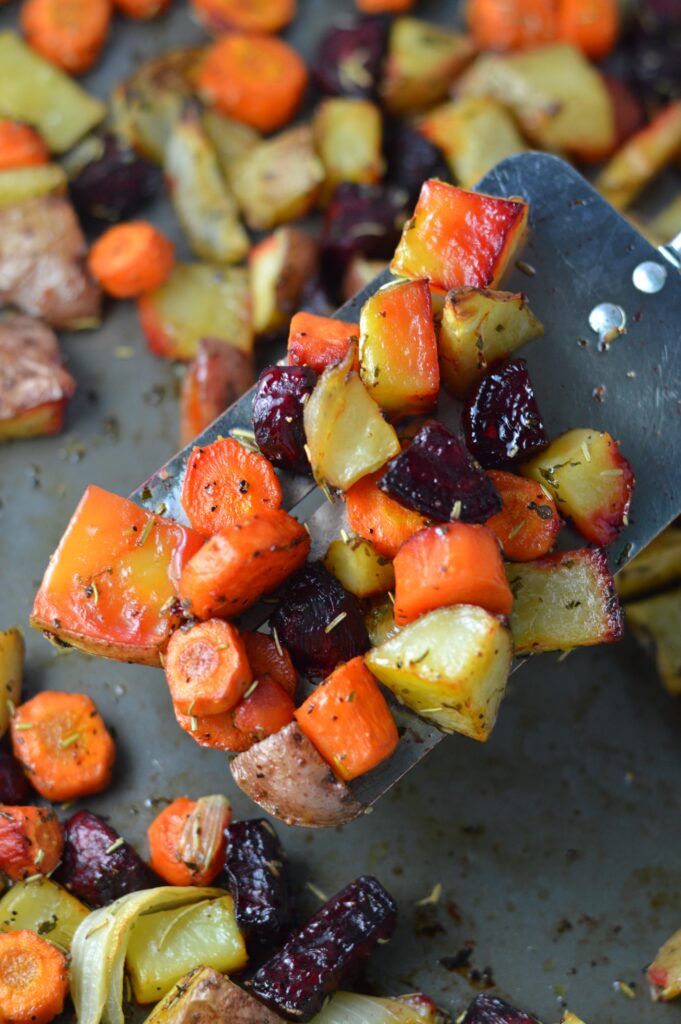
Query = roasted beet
x=278 y=415
x=501 y=419
x=114 y=183
x=319 y=622
x=437 y=477
x=333 y=944
x=257 y=877
x=490 y=1010
x=411 y=158
x=98 y=865
x=350 y=58
x=14 y=786
x=655 y=40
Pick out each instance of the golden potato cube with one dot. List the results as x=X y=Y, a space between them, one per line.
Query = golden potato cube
x=359 y=567
x=279 y=268
x=656 y=622
x=231 y=139
x=655 y=567
x=423 y=59
x=12 y=650
x=44 y=907
x=348 y=135
x=29 y=182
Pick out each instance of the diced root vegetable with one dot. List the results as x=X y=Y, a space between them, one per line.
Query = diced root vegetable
x=257 y=874
x=501 y=420
x=215 y=378
x=44 y=907
x=641 y=158
x=655 y=623
x=528 y=524
x=12 y=650
x=31 y=841
x=319 y=341
x=207 y=668
x=664 y=974
x=656 y=566
x=359 y=567
x=279 y=268
x=277 y=412
x=486 y=1009
x=348 y=138
x=422 y=61
x=29 y=182
x=378 y=518
x=204 y=990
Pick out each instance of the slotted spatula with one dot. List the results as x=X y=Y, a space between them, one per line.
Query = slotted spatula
x=610 y=360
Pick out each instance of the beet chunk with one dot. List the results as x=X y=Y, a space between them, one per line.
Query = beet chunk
x=333 y=944
x=436 y=476
x=411 y=158
x=349 y=58
x=115 y=184
x=92 y=870
x=278 y=415
x=14 y=786
x=490 y=1010
x=311 y=601
x=501 y=419
x=256 y=874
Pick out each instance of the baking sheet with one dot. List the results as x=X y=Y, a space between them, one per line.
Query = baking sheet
x=556 y=844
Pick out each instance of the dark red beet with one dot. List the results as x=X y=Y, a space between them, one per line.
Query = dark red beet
x=501 y=419
x=256 y=874
x=115 y=184
x=14 y=786
x=627 y=109
x=490 y=1010
x=278 y=415
x=332 y=945
x=436 y=476
x=411 y=158
x=310 y=602
x=350 y=58
x=655 y=40
x=93 y=874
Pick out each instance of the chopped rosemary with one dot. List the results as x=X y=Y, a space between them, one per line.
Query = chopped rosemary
x=335 y=622
x=95 y=592
x=254 y=686
x=433 y=898
x=516 y=529
x=193 y=723
x=456 y=510
x=69 y=741
x=274 y=866
x=11 y=707
x=116 y=845
x=277 y=644
x=586 y=452
x=317 y=892
x=144 y=536
x=344 y=536
x=39 y=857
x=23 y=726
x=611 y=472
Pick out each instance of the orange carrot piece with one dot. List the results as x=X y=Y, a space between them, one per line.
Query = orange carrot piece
x=245 y=15
x=68 y=33
x=141 y=10
x=217 y=375
x=512 y=24
x=243 y=562
x=456 y=563
x=130 y=259
x=207 y=668
x=171 y=857
x=216 y=732
x=591 y=25
x=20 y=146
x=266 y=658
x=254 y=78
x=225 y=483
x=528 y=524
x=34 y=979
x=348 y=720
x=266 y=710
x=31 y=842
x=384 y=6
x=319 y=341
x=376 y=517
x=63 y=745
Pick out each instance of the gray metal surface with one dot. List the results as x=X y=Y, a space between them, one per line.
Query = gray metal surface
x=556 y=844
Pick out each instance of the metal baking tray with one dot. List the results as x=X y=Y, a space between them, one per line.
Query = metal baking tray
x=555 y=844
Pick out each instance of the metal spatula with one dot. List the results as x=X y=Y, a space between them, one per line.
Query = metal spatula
x=610 y=360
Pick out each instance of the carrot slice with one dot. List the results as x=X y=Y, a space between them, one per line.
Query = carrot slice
x=348 y=720
x=63 y=745
x=130 y=259
x=528 y=524
x=266 y=710
x=217 y=732
x=254 y=78
x=34 y=979
x=207 y=668
x=457 y=563
x=225 y=483
x=243 y=562
x=20 y=146
x=187 y=840
x=245 y=15
x=69 y=33
x=384 y=6
x=592 y=25
x=512 y=24
x=320 y=341
x=268 y=658
x=31 y=842
x=141 y=10
x=376 y=517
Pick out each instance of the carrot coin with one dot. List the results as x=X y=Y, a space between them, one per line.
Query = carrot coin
x=20 y=146
x=245 y=15
x=68 y=33
x=130 y=259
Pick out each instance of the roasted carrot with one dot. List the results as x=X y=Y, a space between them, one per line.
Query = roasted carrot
x=528 y=523
x=207 y=668
x=141 y=10
x=245 y=15
x=268 y=658
x=69 y=33
x=456 y=563
x=187 y=840
x=348 y=720
x=384 y=6
x=63 y=745
x=512 y=24
x=34 y=979
x=376 y=517
x=243 y=562
x=319 y=341
x=254 y=78
x=20 y=146
x=591 y=25
x=225 y=483
x=31 y=841
x=130 y=259
x=217 y=732
x=217 y=375
x=266 y=710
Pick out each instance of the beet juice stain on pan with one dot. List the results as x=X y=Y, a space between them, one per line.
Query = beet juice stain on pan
x=553 y=843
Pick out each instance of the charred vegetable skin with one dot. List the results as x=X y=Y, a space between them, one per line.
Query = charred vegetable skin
x=255 y=867
x=437 y=477
x=115 y=183
x=501 y=420
x=490 y=1010
x=319 y=622
x=14 y=787
x=278 y=415
x=334 y=943
x=98 y=865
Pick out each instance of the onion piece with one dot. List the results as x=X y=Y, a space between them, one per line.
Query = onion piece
x=203 y=835
x=100 y=945
x=349 y=1008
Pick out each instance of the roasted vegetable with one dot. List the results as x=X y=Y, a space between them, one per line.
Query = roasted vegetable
x=35 y=388
x=360 y=272
x=379 y=619
x=31 y=841
x=14 y=787
x=204 y=996
x=349 y=58
x=344 y=1007
x=359 y=567
x=641 y=158
x=278 y=407
x=34 y=979
x=528 y=524
x=206 y=668
x=44 y=907
x=131 y=259
x=108 y=180
x=187 y=839
x=98 y=865
x=410 y=157
x=422 y=61
x=501 y=419
x=12 y=650
x=22 y=183
x=320 y=341
x=257 y=877
x=486 y=1009
x=348 y=135
x=279 y=269
x=655 y=622
x=230 y=139
x=378 y=518
x=658 y=565
x=664 y=974
x=563 y=601
x=217 y=375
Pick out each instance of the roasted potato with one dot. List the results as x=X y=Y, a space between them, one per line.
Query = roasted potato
x=348 y=137
x=31 y=182
x=562 y=601
x=356 y=563
x=656 y=622
x=657 y=566
x=279 y=268
x=359 y=274
x=279 y=179
x=667 y=224
x=289 y=779
x=35 y=91
x=664 y=974
x=231 y=139
x=200 y=196
x=422 y=61
x=34 y=386
x=44 y=907
x=379 y=619
x=641 y=158
x=11 y=669
x=206 y=997
x=450 y=666
x=479 y=326
x=217 y=375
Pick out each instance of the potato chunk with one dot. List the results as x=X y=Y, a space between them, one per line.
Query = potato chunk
x=655 y=567
x=12 y=650
x=656 y=622
x=231 y=139
x=359 y=567
x=279 y=268
x=30 y=182
x=44 y=907
x=348 y=137
x=34 y=385
x=641 y=158
x=204 y=996
x=450 y=666
x=423 y=59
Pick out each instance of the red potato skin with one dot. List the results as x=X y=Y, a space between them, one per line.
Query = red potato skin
x=35 y=388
